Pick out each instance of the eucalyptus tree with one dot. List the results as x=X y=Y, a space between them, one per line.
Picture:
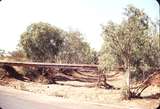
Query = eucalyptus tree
x=41 y=42
x=124 y=43
x=75 y=49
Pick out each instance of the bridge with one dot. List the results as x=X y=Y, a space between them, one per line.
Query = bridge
x=83 y=67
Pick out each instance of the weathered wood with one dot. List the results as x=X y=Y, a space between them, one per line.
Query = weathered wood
x=86 y=67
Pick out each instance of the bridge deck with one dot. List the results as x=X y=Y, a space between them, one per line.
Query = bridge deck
x=53 y=65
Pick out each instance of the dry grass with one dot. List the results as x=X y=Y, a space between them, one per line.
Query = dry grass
x=84 y=94
x=75 y=93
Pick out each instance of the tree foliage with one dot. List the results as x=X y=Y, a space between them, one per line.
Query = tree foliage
x=41 y=41
x=45 y=43
x=2 y=52
x=75 y=49
x=130 y=43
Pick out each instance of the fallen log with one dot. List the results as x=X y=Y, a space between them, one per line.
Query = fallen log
x=153 y=79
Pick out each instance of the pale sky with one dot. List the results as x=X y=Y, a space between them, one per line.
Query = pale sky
x=83 y=15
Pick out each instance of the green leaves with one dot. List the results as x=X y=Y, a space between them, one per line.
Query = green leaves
x=75 y=49
x=41 y=41
x=129 y=41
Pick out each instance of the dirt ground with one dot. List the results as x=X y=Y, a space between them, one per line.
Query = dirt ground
x=80 y=92
x=74 y=90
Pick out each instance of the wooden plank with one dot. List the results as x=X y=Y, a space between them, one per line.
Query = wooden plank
x=53 y=65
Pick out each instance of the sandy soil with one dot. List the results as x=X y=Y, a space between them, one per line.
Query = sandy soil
x=70 y=92
x=16 y=99
x=78 y=92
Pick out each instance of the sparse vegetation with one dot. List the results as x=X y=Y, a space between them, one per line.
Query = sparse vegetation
x=131 y=47
x=130 y=44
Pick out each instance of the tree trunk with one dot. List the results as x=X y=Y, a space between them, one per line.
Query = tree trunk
x=126 y=89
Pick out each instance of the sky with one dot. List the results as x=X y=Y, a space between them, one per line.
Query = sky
x=85 y=16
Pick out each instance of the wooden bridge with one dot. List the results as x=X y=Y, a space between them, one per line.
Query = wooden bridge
x=84 y=67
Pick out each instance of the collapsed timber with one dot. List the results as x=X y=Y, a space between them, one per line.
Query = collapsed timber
x=54 y=71
x=152 y=79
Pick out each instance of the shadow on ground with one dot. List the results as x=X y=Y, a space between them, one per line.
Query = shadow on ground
x=153 y=96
